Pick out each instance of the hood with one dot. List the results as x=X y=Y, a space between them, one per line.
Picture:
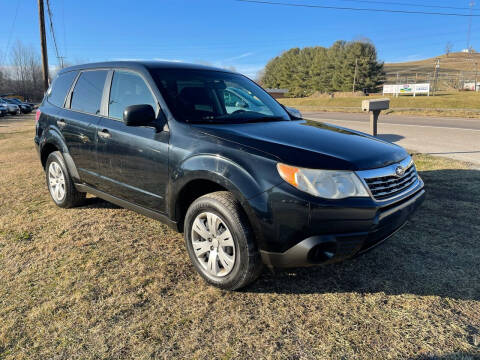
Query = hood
x=311 y=144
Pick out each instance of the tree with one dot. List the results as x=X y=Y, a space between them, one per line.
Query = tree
x=26 y=72
x=3 y=77
x=304 y=71
x=448 y=48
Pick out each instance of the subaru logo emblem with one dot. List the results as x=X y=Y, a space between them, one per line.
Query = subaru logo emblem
x=399 y=171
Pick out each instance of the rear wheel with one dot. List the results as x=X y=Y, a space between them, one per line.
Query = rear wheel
x=60 y=184
x=220 y=243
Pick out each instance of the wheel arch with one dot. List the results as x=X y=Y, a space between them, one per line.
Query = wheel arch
x=47 y=149
x=201 y=175
x=52 y=141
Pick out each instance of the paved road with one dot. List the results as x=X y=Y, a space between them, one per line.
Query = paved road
x=456 y=138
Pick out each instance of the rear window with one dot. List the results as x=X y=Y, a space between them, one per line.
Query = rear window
x=87 y=95
x=60 y=87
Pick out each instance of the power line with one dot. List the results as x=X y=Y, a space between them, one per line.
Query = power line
x=355 y=9
x=50 y=17
x=408 y=4
x=11 y=31
x=64 y=30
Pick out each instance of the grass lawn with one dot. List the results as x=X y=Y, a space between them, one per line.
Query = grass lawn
x=101 y=282
x=462 y=104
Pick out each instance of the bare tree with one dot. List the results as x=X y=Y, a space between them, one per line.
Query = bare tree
x=259 y=77
x=26 y=72
x=3 y=76
x=448 y=48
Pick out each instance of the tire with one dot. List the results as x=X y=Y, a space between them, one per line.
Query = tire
x=60 y=184
x=239 y=244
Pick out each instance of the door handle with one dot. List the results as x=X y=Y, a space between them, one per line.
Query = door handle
x=61 y=123
x=104 y=134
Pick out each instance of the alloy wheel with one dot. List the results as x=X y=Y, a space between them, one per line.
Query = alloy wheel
x=56 y=180
x=213 y=244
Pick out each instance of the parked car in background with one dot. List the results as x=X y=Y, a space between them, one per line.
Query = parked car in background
x=3 y=110
x=24 y=107
x=12 y=109
x=214 y=156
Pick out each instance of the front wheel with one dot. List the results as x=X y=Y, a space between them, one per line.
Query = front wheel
x=220 y=242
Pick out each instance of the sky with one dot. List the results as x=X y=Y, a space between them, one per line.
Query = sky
x=229 y=33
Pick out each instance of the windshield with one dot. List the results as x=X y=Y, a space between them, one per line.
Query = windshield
x=216 y=96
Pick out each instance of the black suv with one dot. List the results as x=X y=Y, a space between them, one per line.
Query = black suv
x=210 y=153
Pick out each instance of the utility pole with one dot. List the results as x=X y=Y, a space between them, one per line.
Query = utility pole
x=435 y=76
x=60 y=60
x=43 y=42
x=355 y=75
x=476 y=75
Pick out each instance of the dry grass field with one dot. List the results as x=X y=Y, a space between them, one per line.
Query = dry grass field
x=459 y=104
x=451 y=63
x=101 y=282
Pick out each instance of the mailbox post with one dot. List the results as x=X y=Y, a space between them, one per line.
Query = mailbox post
x=375 y=107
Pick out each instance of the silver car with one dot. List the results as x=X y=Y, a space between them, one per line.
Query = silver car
x=11 y=108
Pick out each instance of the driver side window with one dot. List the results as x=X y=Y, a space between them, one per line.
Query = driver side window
x=128 y=89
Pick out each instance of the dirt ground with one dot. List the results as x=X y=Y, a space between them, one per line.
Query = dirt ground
x=101 y=282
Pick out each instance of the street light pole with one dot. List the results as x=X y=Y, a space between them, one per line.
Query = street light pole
x=43 y=42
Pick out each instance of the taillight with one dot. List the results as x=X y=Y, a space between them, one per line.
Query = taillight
x=37 y=115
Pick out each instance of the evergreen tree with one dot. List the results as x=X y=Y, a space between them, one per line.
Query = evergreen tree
x=304 y=71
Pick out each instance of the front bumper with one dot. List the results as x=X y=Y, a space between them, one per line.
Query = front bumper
x=329 y=248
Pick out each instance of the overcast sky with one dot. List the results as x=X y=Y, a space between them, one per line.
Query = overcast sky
x=231 y=33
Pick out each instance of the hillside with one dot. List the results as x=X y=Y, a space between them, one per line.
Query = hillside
x=454 y=69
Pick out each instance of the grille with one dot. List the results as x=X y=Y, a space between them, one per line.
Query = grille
x=385 y=187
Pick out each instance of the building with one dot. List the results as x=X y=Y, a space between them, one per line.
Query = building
x=471 y=86
x=277 y=93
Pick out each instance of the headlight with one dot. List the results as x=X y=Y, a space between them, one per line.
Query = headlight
x=329 y=184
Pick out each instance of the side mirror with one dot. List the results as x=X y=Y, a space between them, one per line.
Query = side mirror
x=294 y=113
x=139 y=115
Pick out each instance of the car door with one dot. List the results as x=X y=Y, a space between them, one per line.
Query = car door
x=79 y=119
x=133 y=161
